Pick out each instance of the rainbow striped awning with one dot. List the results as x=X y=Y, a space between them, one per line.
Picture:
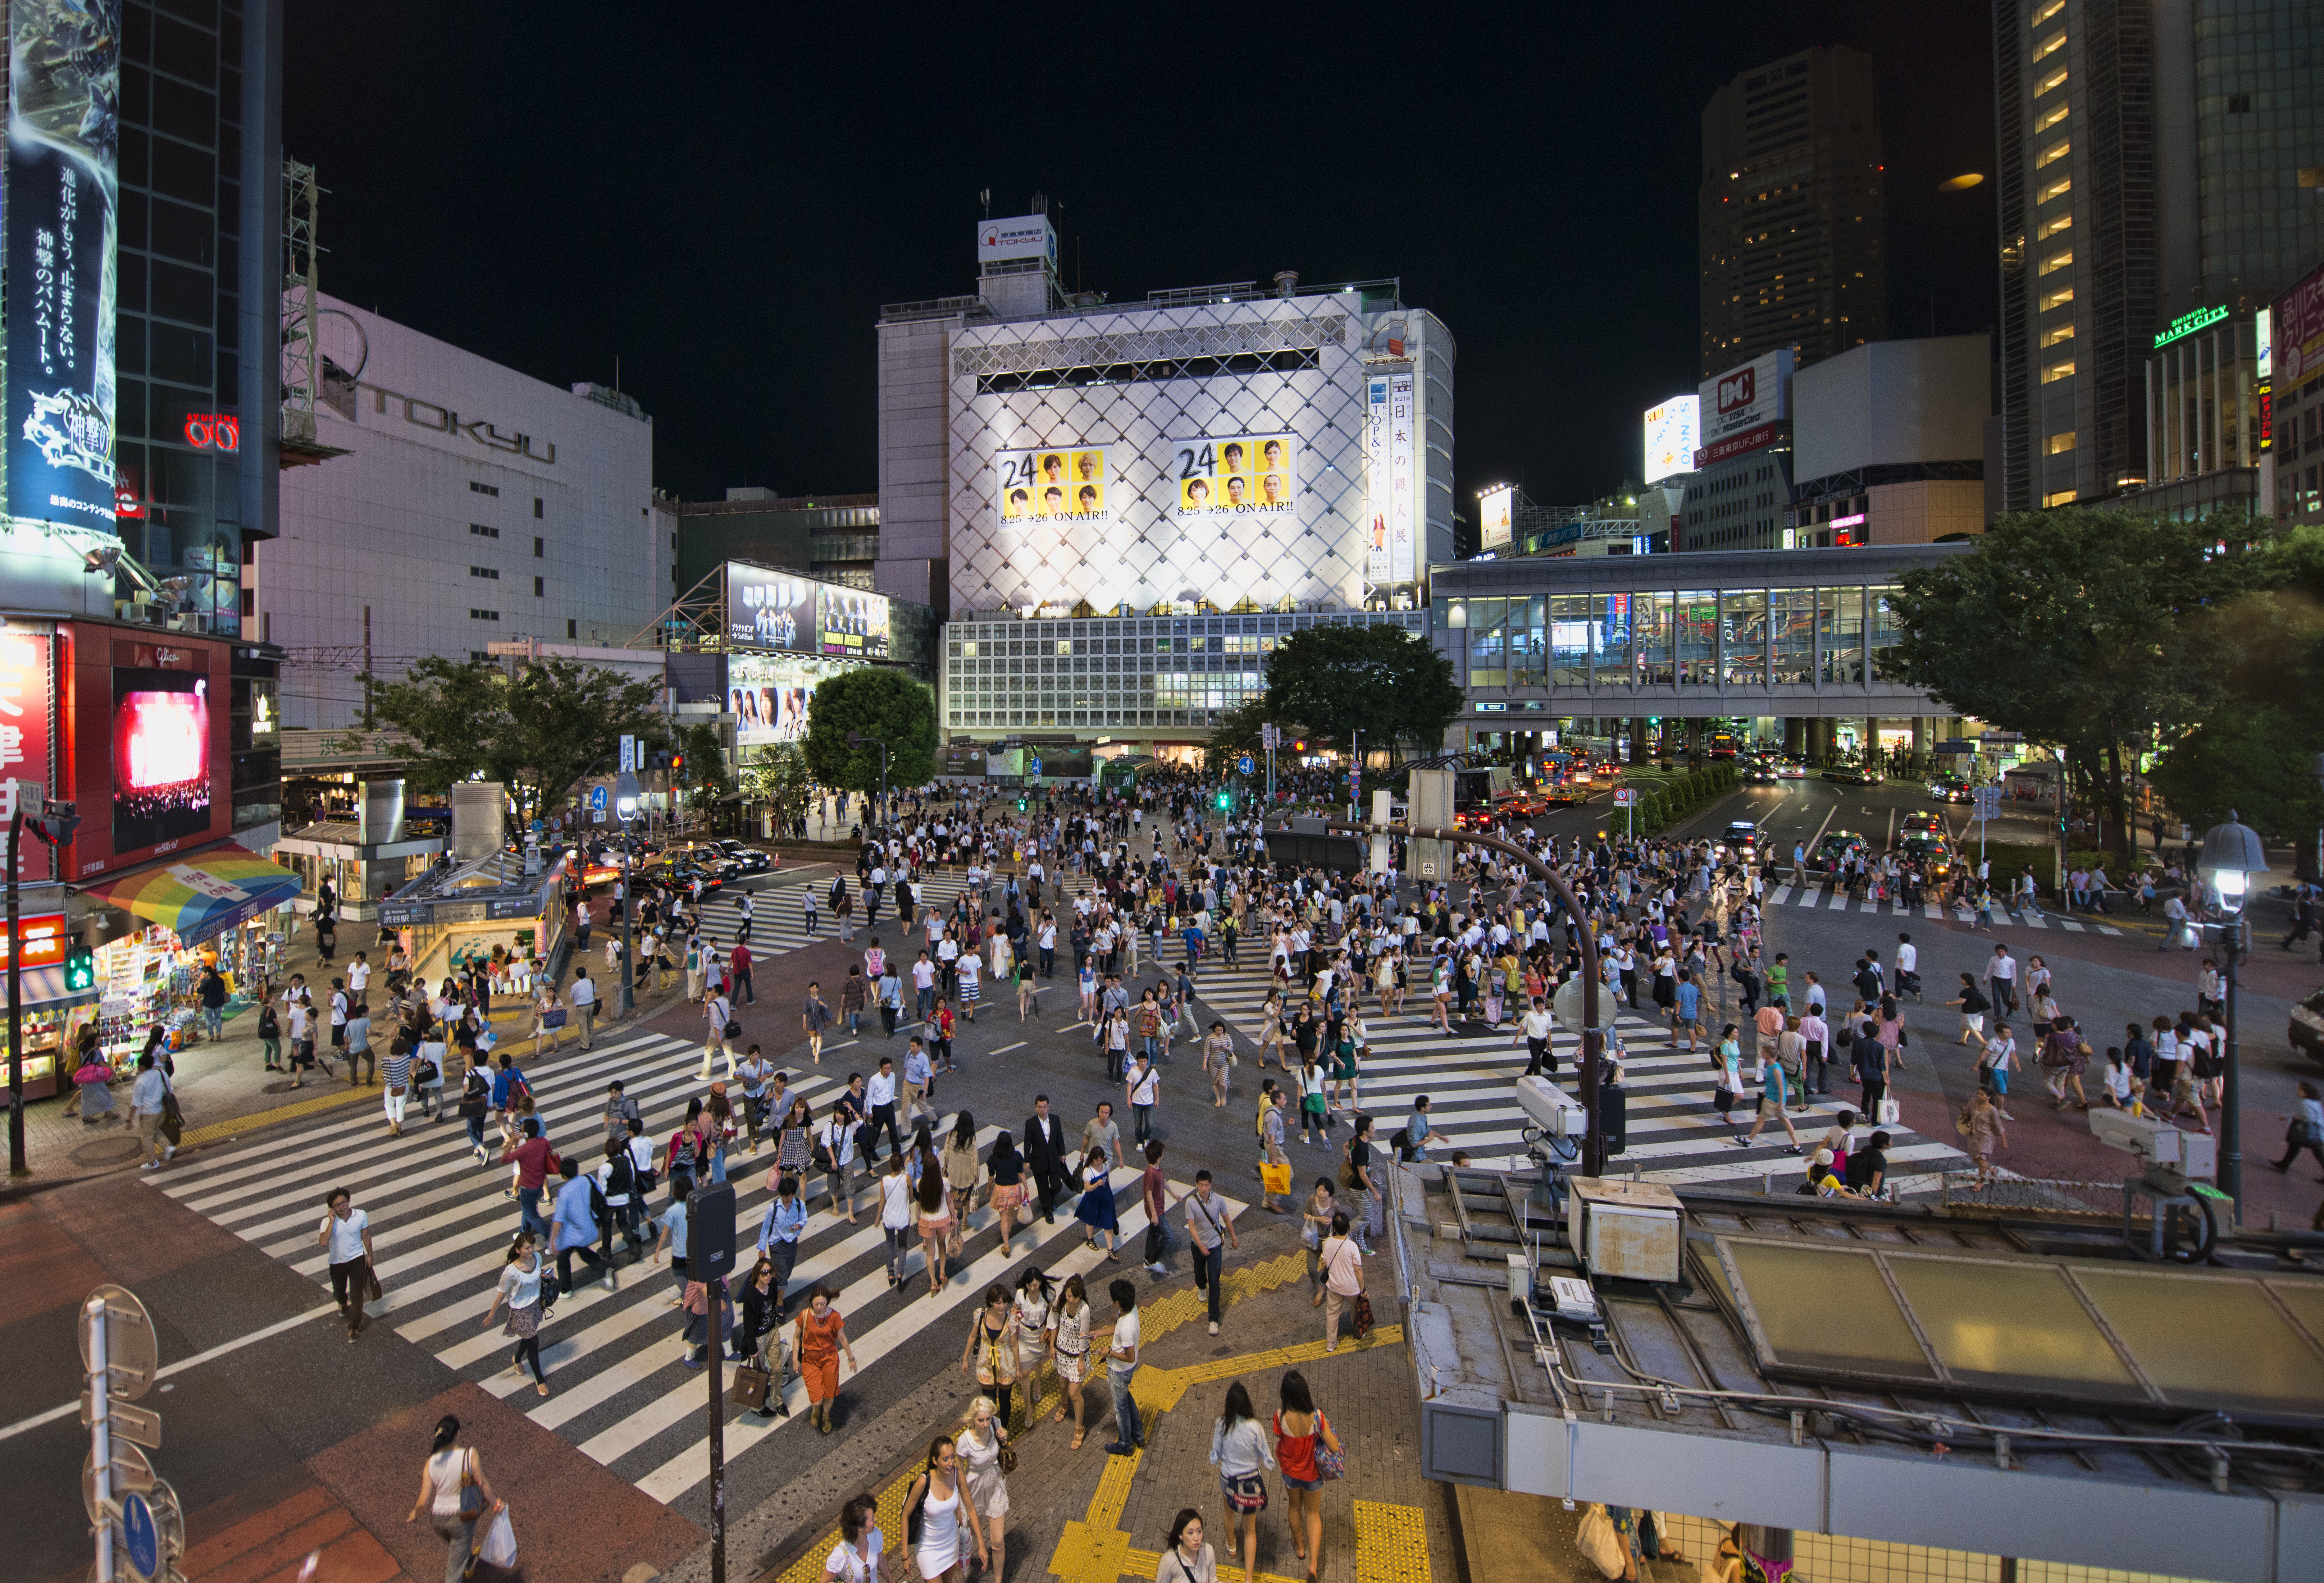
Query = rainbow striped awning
x=204 y=895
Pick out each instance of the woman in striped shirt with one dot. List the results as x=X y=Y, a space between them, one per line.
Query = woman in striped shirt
x=396 y=1072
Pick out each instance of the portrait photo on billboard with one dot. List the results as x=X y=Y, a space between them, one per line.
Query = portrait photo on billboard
x=768 y=609
x=769 y=696
x=854 y=623
x=1055 y=487
x=1236 y=475
x=60 y=193
x=160 y=757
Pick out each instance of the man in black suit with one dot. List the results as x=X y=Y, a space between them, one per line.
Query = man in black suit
x=1044 y=1153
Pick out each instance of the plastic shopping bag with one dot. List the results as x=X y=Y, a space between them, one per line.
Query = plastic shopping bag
x=1597 y=1539
x=499 y=1546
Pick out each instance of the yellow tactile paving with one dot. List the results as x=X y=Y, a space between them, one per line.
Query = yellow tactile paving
x=1391 y=1543
x=218 y=1131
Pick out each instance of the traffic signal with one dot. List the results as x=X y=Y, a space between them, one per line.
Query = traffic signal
x=1226 y=799
x=80 y=968
x=677 y=763
x=1020 y=805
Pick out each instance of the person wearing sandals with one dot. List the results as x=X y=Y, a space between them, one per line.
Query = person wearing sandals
x=1342 y=1264
x=1300 y=1432
x=981 y=1448
x=992 y=1348
x=446 y=1479
x=1036 y=1313
x=1240 y=1451
x=1069 y=1333
x=1096 y=1210
x=519 y=1287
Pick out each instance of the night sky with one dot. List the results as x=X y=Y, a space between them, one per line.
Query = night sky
x=722 y=197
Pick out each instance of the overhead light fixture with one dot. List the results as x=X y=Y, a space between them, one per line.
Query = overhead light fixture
x=101 y=560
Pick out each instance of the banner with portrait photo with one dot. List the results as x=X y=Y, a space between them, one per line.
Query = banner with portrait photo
x=853 y=623
x=1055 y=487
x=767 y=696
x=1244 y=476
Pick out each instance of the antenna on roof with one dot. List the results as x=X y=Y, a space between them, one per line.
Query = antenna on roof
x=985 y=196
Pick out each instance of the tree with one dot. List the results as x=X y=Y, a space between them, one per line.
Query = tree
x=537 y=732
x=1390 y=684
x=2086 y=629
x=704 y=752
x=882 y=705
x=779 y=777
x=1236 y=734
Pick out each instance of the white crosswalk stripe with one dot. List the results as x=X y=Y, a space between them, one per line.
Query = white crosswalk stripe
x=619 y=1389
x=1833 y=898
x=1674 y=1131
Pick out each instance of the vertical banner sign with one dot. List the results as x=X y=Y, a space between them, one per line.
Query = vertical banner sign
x=1402 y=497
x=24 y=729
x=1379 y=562
x=64 y=89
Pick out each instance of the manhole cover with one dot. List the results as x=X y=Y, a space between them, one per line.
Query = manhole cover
x=278 y=1088
x=106 y=1151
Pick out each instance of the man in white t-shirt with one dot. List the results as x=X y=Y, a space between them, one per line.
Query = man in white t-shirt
x=1535 y=1031
x=1120 y=1367
x=346 y=1234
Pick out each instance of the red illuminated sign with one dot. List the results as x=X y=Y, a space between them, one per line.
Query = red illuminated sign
x=125 y=503
x=43 y=934
x=213 y=431
x=1735 y=444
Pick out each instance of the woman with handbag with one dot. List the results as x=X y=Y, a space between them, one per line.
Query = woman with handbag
x=1186 y=1558
x=1096 y=1211
x=520 y=1288
x=1307 y=1452
x=454 y=1494
x=993 y=1347
x=1240 y=1451
x=934 y=1510
x=987 y=1459
x=1069 y=1331
x=1341 y=1262
x=1315 y=1225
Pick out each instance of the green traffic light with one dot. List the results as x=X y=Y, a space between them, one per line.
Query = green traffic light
x=81 y=969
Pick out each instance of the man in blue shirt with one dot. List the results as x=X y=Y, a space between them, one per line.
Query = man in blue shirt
x=1686 y=1010
x=673 y=1229
x=778 y=1236
x=575 y=1224
x=918 y=1073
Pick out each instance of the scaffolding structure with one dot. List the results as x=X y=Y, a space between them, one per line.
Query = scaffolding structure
x=302 y=356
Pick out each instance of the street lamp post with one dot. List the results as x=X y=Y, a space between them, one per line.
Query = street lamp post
x=625 y=809
x=2232 y=854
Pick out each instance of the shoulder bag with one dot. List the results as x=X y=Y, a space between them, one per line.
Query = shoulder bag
x=1329 y=1463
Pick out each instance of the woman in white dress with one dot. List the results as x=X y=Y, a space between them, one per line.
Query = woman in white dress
x=857 y=1558
x=934 y=1504
x=1069 y=1333
x=979 y=1449
x=1035 y=1312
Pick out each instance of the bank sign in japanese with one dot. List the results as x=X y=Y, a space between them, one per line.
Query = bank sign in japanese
x=64 y=87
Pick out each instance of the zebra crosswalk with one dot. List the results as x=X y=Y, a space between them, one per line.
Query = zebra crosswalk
x=619 y=1389
x=1837 y=899
x=1674 y=1134
x=778 y=915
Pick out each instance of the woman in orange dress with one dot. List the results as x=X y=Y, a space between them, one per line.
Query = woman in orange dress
x=822 y=1337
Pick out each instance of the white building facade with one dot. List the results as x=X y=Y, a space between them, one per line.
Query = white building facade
x=475 y=506
x=1122 y=506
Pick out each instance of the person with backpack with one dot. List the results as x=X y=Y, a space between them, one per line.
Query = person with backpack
x=475 y=1102
x=621 y=1193
x=580 y=1212
x=1412 y=1143
x=688 y=1148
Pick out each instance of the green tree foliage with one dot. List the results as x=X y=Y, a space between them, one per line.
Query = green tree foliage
x=879 y=703
x=779 y=777
x=706 y=772
x=537 y=732
x=1236 y=733
x=2085 y=628
x=1388 y=684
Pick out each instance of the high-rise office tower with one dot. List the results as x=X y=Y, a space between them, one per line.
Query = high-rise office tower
x=2158 y=169
x=1793 y=211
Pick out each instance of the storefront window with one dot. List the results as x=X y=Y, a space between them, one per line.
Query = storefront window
x=1840 y=628
x=1489 y=665
x=1792 y=619
x=1656 y=667
x=1697 y=619
x=1529 y=642
x=1611 y=615
x=1886 y=630
x=1744 y=637
x=1569 y=640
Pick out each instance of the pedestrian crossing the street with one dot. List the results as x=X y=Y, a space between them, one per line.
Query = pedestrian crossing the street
x=1674 y=1133
x=779 y=917
x=1838 y=900
x=619 y=1389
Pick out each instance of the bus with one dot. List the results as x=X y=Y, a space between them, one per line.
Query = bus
x=1723 y=744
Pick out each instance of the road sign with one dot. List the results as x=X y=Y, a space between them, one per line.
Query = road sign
x=1245 y=764
x=1033 y=767
x=1626 y=797
x=598 y=798
x=1355 y=777
x=630 y=755
x=131 y=1471
x=140 y=1537
x=131 y=1424
x=131 y=1352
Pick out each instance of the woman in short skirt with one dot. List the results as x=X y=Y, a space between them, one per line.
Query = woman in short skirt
x=1240 y=1452
x=1096 y=1208
x=1069 y=1332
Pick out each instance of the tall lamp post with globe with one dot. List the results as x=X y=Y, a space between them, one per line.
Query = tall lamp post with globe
x=856 y=739
x=2232 y=856
x=625 y=809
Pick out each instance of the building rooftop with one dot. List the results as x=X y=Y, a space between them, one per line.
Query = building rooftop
x=2010 y=1382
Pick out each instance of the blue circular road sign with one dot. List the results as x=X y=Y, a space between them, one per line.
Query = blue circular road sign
x=1033 y=767
x=141 y=1536
x=1244 y=764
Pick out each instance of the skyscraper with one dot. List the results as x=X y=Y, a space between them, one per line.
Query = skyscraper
x=2158 y=162
x=1793 y=211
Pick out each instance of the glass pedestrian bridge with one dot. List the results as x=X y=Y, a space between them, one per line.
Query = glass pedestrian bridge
x=1782 y=633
